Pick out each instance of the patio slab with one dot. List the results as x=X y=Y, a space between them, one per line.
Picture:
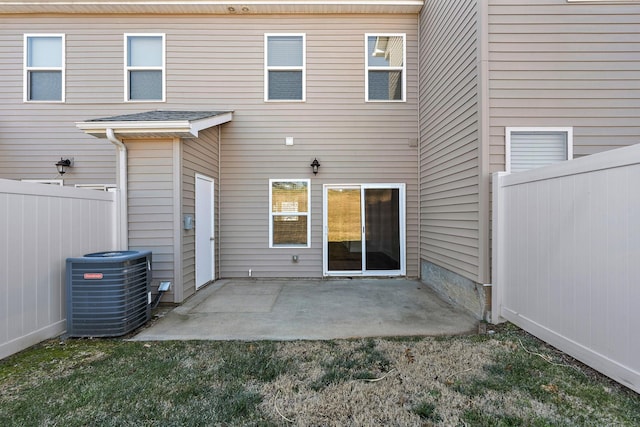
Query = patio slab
x=254 y=309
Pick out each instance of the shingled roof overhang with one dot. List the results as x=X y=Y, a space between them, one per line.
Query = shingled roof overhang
x=233 y=7
x=156 y=124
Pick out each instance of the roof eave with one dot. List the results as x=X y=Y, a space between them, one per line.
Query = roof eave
x=166 y=128
x=232 y=7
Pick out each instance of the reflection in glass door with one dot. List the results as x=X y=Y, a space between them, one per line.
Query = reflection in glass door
x=364 y=229
x=382 y=226
x=344 y=229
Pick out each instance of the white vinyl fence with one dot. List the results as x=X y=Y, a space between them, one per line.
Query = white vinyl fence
x=566 y=258
x=40 y=227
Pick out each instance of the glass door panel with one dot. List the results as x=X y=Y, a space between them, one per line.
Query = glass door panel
x=344 y=229
x=382 y=225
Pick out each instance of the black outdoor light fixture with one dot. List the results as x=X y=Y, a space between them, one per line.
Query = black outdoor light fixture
x=62 y=165
x=315 y=165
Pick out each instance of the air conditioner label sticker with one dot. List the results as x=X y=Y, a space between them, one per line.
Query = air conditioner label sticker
x=93 y=276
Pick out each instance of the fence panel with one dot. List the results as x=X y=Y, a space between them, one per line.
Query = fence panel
x=40 y=227
x=566 y=258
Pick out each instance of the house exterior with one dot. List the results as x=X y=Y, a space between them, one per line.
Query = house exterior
x=207 y=116
x=542 y=72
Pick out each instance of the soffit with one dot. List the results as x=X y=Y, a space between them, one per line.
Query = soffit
x=246 y=7
x=156 y=124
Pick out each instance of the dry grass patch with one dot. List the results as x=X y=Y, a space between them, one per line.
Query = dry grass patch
x=505 y=379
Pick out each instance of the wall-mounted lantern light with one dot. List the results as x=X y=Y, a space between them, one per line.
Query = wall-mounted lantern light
x=315 y=165
x=62 y=165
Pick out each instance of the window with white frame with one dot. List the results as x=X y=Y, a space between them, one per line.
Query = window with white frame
x=285 y=67
x=529 y=148
x=289 y=219
x=385 y=74
x=44 y=70
x=144 y=67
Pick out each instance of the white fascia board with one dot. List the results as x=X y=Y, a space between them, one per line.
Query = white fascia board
x=134 y=127
x=198 y=125
x=182 y=128
x=237 y=7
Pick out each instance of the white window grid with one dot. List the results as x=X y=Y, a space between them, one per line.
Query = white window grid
x=27 y=69
x=402 y=69
x=306 y=214
x=128 y=68
x=302 y=68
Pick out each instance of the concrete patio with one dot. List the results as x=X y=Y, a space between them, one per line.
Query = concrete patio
x=243 y=309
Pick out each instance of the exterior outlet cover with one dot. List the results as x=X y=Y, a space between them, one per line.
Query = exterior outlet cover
x=288 y=140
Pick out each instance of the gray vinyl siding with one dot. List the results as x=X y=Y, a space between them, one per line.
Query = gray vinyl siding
x=559 y=64
x=449 y=132
x=216 y=62
x=199 y=155
x=151 y=204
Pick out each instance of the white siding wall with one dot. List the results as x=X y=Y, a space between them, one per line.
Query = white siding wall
x=555 y=63
x=40 y=227
x=566 y=248
x=449 y=129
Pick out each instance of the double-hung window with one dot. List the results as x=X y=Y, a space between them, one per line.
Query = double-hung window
x=44 y=67
x=529 y=148
x=285 y=67
x=289 y=221
x=144 y=67
x=385 y=74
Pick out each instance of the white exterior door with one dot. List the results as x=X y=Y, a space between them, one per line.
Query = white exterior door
x=205 y=231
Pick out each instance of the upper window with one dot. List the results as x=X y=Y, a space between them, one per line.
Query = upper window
x=289 y=222
x=529 y=148
x=144 y=67
x=385 y=73
x=44 y=67
x=285 y=67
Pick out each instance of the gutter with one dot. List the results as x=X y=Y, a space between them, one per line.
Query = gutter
x=123 y=223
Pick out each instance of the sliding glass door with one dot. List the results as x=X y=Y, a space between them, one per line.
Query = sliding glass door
x=364 y=229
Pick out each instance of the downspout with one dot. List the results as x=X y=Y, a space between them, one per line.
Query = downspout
x=218 y=205
x=123 y=223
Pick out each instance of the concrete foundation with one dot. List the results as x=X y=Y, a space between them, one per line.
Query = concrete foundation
x=464 y=293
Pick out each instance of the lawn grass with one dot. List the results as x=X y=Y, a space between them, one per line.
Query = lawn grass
x=505 y=379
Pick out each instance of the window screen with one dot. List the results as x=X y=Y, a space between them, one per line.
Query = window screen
x=285 y=67
x=145 y=67
x=385 y=74
x=44 y=68
x=289 y=213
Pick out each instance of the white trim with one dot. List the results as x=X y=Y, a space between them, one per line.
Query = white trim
x=302 y=68
x=214 y=6
x=99 y=187
x=128 y=68
x=27 y=69
x=402 y=69
x=178 y=272
x=509 y=130
x=59 y=182
x=184 y=127
x=307 y=213
x=402 y=214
